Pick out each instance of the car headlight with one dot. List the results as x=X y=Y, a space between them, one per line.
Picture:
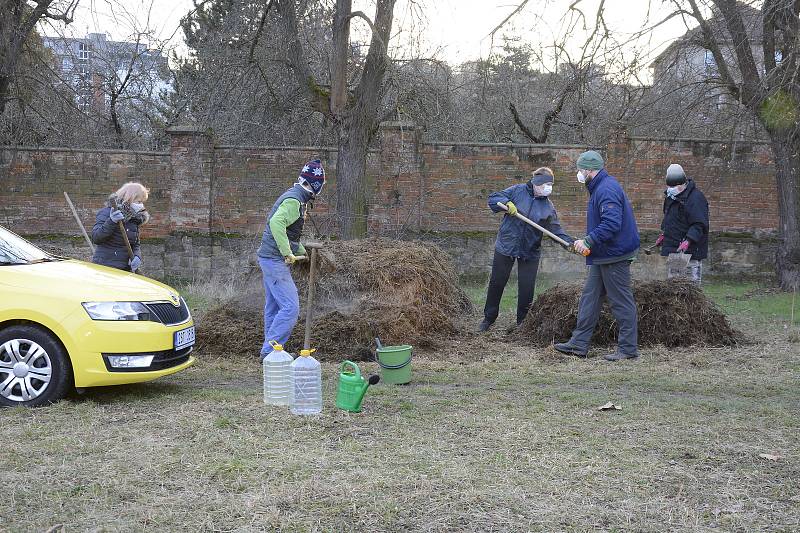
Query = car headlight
x=117 y=310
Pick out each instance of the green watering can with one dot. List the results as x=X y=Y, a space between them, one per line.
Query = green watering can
x=352 y=387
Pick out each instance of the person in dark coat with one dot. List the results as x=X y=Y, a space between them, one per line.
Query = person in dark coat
x=612 y=241
x=685 y=225
x=126 y=206
x=520 y=242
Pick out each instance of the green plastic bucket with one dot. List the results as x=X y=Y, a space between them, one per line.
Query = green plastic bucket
x=395 y=363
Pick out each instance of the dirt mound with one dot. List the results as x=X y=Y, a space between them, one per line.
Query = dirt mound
x=402 y=292
x=672 y=313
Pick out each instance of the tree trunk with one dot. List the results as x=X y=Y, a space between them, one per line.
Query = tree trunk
x=5 y=85
x=115 y=121
x=351 y=186
x=786 y=151
x=356 y=127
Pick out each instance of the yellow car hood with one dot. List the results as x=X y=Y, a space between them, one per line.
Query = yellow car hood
x=85 y=282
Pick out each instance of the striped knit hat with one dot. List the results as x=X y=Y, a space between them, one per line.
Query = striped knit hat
x=313 y=175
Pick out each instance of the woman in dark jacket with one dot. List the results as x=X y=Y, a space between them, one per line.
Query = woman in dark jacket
x=126 y=206
x=518 y=241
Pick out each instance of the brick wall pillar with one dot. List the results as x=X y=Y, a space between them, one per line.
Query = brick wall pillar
x=192 y=161
x=617 y=151
x=397 y=203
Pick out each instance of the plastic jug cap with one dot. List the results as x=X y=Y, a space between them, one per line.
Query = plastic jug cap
x=275 y=346
x=306 y=353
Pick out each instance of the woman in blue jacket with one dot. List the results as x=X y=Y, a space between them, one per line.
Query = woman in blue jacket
x=126 y=206
x=520 y=242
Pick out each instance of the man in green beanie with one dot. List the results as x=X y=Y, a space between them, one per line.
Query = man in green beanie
x=612 y=241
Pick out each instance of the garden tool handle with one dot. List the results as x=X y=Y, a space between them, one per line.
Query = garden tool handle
x=530 y=222
x=125 y=238
x=127 y=241
x=78 y=220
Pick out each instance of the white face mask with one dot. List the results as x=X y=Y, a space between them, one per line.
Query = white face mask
x=544 y=190
x=137 y=207
x=581 y=177
x=674 y=191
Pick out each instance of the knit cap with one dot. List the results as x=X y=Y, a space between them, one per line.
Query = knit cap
x=590 y=160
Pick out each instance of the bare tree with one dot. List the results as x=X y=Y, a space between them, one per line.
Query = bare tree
x=769 y=87
x=18 y=20
x=353 y=111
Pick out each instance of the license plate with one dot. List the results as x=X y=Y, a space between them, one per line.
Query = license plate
x=184 y=338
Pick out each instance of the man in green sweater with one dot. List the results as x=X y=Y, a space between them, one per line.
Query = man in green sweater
x=280 y=247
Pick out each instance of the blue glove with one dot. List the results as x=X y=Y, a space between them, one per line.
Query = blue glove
x=135 y=263
x=116 y=215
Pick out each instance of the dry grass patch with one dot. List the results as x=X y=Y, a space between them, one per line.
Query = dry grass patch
x=511 y=442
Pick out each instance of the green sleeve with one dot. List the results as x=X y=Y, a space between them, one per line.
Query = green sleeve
x=286 y=215
x=301 y=250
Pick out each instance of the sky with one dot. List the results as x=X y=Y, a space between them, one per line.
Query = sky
x=449 y=30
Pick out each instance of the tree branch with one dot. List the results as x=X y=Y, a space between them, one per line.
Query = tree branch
x=259 y=31
x=711 y=44
x=752 y=92
x=287 y=18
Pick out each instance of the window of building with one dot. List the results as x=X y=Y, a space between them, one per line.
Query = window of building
x=83 y=51
x=778 y=56
x=709 y=59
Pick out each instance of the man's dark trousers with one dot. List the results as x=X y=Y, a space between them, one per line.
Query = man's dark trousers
x=612 y=280
x=501 y=270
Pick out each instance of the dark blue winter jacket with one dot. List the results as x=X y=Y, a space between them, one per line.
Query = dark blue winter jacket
x=610 y=225
x=516 y=238
x=110 y=249
x=686 y=217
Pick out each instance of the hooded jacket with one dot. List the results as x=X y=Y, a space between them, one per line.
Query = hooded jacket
x=516 y=238
x=110 y=249
x=610 y=225
x=686 y=217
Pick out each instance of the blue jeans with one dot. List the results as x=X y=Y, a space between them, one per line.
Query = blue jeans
x=282 y=305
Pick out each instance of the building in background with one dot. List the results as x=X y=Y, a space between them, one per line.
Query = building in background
x=103 y=73
x=686 y=78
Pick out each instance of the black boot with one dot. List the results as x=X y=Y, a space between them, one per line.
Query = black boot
x=569 y=349
x=483 y=326
x=619 y=356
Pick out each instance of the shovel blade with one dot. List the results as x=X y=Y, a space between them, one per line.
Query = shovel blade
x=678 y=260
x=678 y=265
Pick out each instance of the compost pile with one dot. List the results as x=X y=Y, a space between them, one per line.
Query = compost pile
x=402 y=292
x=672 y=313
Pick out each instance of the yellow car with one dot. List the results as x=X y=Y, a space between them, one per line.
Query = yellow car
x=66 y=323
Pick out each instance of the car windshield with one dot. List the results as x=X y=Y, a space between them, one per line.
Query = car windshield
x=14 y=250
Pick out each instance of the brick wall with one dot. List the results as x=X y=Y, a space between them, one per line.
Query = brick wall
x=209 y=202
x=32 y=183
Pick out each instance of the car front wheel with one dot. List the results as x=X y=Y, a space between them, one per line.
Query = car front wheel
x=33 y=367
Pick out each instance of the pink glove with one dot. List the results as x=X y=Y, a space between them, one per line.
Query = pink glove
x=683 y=246
x=660 y=240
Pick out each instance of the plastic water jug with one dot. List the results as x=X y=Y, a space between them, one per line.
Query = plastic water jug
x=277 y=376
x=306 y=385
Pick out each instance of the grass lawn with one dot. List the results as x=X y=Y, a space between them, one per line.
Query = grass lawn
x=489 y=436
